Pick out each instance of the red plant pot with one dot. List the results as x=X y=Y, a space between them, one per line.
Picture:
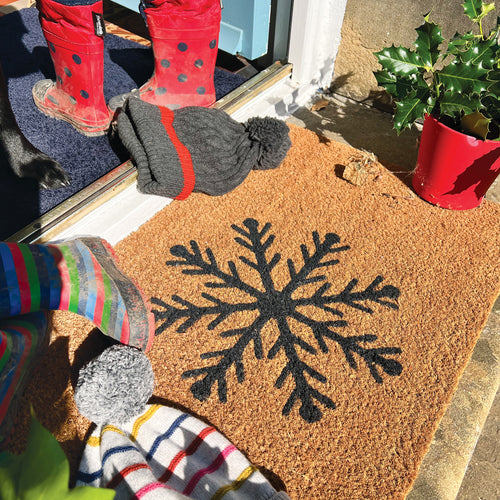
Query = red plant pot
x=454 y=170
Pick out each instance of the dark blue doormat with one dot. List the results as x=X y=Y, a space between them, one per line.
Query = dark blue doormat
x=25 y=59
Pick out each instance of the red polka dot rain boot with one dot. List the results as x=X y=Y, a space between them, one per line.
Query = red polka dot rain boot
x=185 y=38
x=74 y=33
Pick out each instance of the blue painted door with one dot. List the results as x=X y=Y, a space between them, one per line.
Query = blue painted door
x=244 y=27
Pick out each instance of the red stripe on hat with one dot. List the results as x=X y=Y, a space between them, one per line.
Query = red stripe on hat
x=220 y=459
x=148 y=488
x=121 y=475
x=195 y=444
x=167 y=118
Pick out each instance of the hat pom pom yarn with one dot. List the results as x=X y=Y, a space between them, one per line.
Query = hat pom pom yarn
x=272 y=136
x=116 y=386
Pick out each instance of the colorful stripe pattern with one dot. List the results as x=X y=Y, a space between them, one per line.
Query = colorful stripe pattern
x=22 y=340
x=80 y=276
x=29 y=279
x=163 y=449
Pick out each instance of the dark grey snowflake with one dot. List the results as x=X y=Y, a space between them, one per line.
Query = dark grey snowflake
x=280 y=305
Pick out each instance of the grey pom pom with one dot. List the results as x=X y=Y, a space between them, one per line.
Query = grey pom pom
x=273 y=139
x=115 y=386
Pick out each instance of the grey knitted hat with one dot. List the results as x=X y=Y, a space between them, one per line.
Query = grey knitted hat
x=197 y=149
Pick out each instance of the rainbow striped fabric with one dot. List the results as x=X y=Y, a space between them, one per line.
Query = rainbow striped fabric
x=29 y=279
x=165 y=453
x=94 y=287
x=22 y=340
x=80 y=276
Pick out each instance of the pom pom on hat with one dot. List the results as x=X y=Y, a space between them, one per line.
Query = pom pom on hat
x=272 y=138
x=115 y=386
x=197 y=149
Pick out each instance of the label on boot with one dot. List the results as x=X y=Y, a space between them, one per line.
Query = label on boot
x=99 y=26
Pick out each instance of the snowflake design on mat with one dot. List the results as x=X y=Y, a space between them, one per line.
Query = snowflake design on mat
x=280 y=305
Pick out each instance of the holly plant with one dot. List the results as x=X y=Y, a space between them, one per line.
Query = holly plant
x=456 y=80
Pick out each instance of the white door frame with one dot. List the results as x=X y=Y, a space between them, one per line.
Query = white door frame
x=315 y=40
x=315 y=35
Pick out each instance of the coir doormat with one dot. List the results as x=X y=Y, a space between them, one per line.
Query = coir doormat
x=321 y=326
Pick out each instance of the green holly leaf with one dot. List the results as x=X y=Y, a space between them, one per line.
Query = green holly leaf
x=454 y=104
x=42 y=472
x=414 y=107
x=459 y=42
x=427 y=43
x=480 y=54
x=398 y=87
x=493 y=82
x=491 y=106
x=463 y=78
x=400 y=61
x=476 y=9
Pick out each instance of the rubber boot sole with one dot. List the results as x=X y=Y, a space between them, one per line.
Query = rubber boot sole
x=40 y=90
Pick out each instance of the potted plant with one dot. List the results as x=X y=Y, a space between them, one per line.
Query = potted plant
x=454 y=85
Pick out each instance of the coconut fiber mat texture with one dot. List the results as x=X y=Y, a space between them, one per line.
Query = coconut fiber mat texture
x=321 y=326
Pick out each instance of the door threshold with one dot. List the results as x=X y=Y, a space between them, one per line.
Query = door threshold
x=112 y=207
